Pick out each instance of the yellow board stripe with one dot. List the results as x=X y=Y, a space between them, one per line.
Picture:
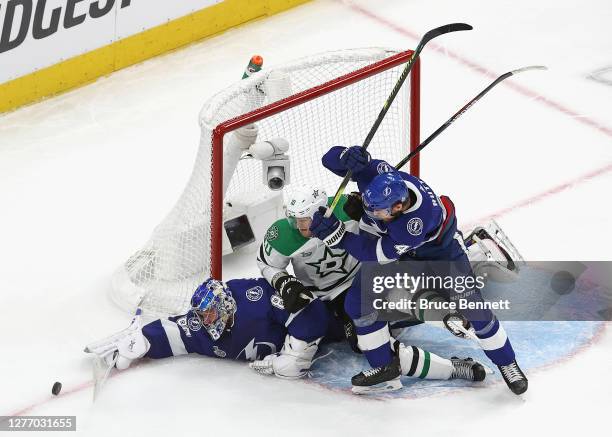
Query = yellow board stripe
x=88 y=67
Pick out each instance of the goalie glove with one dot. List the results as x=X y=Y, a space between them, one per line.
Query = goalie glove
x=123 y=348
x=294 y=294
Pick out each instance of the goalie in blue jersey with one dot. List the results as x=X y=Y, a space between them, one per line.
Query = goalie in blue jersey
x=403 y=220
x=244 y=319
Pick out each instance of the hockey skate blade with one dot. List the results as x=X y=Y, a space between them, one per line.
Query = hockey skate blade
x=383 y=387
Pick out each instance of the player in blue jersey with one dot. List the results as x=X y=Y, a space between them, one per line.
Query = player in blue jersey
x=245 y=320
x=242 y=320
x=404 y=219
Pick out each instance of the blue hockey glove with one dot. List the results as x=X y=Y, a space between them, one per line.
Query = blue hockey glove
x=354 y=159
x=329 y=230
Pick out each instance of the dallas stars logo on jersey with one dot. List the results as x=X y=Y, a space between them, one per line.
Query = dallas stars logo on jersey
x=330 y=262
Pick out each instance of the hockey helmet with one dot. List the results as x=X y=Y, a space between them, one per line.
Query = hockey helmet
x=303 y=202
x=384 y=191
x=214 y=306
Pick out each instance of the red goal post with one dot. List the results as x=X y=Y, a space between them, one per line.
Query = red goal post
x=414 y=82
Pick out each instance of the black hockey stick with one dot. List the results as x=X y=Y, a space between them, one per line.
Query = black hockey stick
x=454 y=27
x=462 y=111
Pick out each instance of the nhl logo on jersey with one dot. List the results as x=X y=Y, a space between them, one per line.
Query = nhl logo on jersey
x=383 y=167
x=272 y=233
x=415 y=226
x=254 y=294
x=219 y=352
x=194 y=324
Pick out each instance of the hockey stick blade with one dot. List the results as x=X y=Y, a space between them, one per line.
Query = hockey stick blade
x=101 y=367
x=463 y=110
x=101 y=371
x=530 y=68
x=447 y=28
x=433 y=33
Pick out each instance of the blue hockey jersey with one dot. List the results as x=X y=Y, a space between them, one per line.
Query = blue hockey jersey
x=415 y=232
x=259 y=327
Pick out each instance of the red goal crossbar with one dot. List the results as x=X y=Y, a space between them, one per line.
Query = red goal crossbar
x=297 y=99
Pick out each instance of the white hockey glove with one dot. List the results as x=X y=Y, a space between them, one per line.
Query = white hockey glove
x=292 y=362
x=122 y=348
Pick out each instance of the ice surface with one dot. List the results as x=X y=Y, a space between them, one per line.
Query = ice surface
x=86 y=176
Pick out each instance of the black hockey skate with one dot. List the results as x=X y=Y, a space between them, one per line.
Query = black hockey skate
x=379 y=379
x=467 y=369
x=514 y=377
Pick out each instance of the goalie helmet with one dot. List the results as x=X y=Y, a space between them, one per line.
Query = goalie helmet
x=214 y=306
x=303 y=202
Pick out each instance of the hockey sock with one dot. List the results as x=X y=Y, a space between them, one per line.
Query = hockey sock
x=373 y=340
x=419 y=363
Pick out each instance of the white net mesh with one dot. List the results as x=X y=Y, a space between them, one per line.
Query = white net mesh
x=162 y=276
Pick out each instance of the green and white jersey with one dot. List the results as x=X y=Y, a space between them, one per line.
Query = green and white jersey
x=329 y=270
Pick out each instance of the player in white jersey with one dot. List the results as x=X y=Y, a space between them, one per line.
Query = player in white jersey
x=319 y=271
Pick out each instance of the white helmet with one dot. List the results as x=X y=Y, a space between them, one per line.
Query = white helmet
x=303 y=201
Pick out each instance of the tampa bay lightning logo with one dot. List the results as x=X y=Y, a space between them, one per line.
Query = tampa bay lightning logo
x=194 y=324
x=383 y=167
x=254 y=294
x=415 y=226
x=387 y=192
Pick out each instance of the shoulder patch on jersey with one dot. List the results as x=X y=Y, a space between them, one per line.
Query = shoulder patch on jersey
x=254 y=294
x=287 y=239
x=415 y=226
x=383 y=167
x=194 y=323
x=272 y=233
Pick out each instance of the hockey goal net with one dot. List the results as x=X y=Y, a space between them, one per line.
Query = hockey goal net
x=327 y=99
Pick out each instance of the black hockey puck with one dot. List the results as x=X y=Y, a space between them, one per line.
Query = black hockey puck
x=57 y=387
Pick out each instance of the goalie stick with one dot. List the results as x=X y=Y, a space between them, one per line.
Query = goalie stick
x=102 y=367
x=454 y=27
x=462 y=111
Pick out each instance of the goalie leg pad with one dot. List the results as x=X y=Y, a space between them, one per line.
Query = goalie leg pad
x=295 y=358
x=292 y=362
